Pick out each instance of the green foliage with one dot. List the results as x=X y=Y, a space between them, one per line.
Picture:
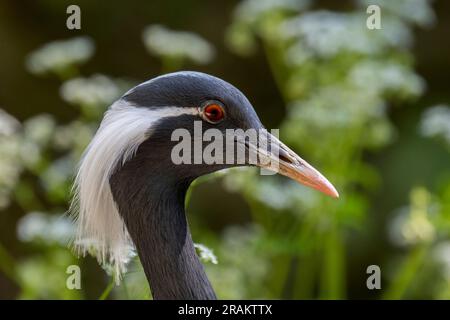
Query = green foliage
x=338 y=80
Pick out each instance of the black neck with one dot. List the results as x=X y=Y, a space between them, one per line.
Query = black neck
x=155 y=218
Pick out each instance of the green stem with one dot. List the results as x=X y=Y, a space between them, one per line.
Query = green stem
x=275 y=68
x=107 y=290
x=333 y=276
x=125 y=290
x=406 y=273
x=7 y=264
x=305 y=282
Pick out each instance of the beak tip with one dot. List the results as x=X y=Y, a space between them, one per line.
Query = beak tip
x=330 y=189
x=332 y=192
x=335 y=194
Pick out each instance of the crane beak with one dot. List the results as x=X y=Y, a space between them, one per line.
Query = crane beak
x=283 y=160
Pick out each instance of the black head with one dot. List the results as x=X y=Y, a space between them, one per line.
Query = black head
x=189 y=89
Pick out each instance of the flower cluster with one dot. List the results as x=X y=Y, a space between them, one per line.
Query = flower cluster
x=10 y=167
x=39 y=226
x=436 y=122
x=60 y=56
x=94 y=91
x=177 y=44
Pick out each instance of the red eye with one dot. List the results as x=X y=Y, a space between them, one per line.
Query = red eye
x=213 y=112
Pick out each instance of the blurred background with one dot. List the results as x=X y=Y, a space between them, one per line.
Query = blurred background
x=368 y=108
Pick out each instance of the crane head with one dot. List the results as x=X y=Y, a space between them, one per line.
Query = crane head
x=206 y=124
x=171 y=130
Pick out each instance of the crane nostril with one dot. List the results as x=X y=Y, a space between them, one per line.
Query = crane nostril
x=285 y=157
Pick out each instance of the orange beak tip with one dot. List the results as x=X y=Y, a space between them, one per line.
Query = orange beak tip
x=329 y=189
x=324 y=187
x=332 y=192
x=335 y=195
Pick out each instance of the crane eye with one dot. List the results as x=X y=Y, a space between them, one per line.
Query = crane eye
x=213 y=112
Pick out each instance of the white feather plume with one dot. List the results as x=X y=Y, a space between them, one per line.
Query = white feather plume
x=100 y=228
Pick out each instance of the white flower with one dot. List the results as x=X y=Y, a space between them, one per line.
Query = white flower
x=30 y=154
x=436 y=122
x=412 y=224
x=381 y=76
x=8 y=124
x=327 y=33
x=37 y=133
x=10 y=167
x=10 y=170
x=442 y=254
x=205 y=253
x=403 y=230
x=415 y=11
x=74 y=136
x=58 y=173
x=179 y=44
x=284 y=195
x=44 y=227
x=298 y=54
x=97 y=90
x=39 y=129
x=240 y=250
x=337 y=106
x=59 y=55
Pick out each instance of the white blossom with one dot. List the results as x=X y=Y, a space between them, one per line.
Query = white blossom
x=327 y=33
x=74 y=136
x=39 y=129
x=179 y=44
x=419 y=12
x=10 y=164
x=205 y=253
x=436 y=122
x=58 y=173
x=381 y=77
x=48 y=228
x=337 y=106
x=8 y=124
x=412 y=224
x=59 y=55
x=97 y=90
x=441 y=253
